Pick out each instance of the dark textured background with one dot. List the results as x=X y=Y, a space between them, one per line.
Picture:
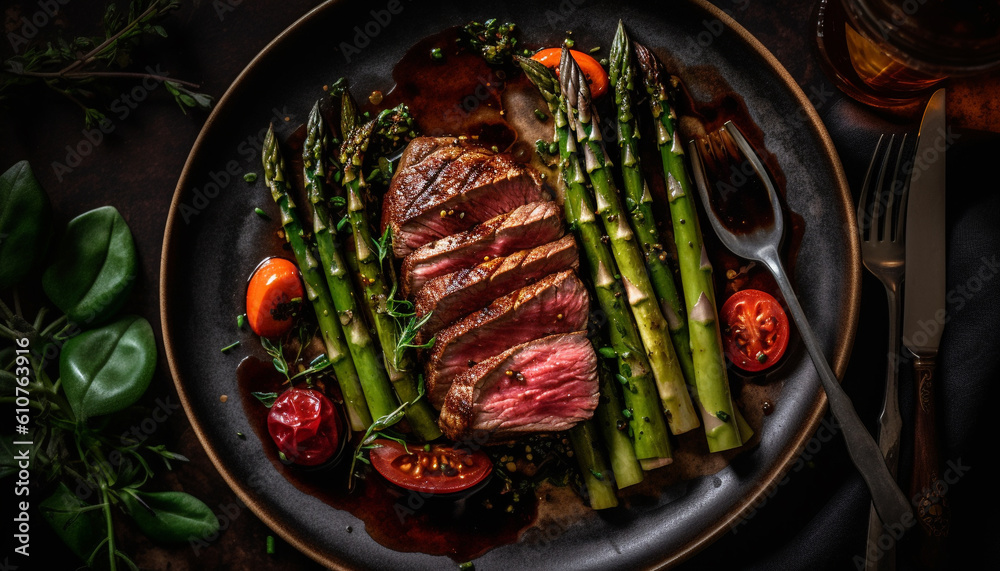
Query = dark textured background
x=816 y=520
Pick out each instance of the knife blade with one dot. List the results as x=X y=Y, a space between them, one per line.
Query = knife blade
x=924 y=317
x=923 y=306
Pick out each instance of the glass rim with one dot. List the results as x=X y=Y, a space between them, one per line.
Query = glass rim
x=923 y=50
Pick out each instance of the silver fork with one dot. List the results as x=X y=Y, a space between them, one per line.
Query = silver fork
x=759 y=240
x=882 y=228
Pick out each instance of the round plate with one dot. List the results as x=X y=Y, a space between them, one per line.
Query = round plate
x=214 y=239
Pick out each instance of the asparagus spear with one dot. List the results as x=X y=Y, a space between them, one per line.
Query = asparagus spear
x=647 y=426
x=593 y=465
x=639 y=203
x=378 y=392
x=622 y=73
x=718 y=411
x=391 y=125
x=333 y=337
x=652 y=326
x=612 y=423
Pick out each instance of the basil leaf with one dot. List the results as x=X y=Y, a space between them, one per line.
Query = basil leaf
x=94 y=267
x=105 y=370
x=25 y=223
x=84 y=531
x=171 y=516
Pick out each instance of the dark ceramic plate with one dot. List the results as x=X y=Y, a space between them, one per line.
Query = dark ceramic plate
x=214 y=239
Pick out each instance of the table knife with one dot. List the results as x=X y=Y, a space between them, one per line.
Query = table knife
x=924 y=315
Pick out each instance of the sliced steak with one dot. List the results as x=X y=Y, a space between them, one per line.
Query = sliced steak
x=450 y=297
x=468 y=183
x=552 y=386
x=525 y=227
x=557 y=304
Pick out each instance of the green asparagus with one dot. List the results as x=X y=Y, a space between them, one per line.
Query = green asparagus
x=639 y=202
x=390 y=127
x=713 y=394
x=652 y=326
x=593 y=465
x=316 y=291
x=647 y=427
x=377 y=390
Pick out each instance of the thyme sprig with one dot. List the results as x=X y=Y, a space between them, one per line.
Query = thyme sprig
x=76 y=68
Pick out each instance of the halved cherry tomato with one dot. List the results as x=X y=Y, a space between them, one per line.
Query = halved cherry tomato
x=305 y=426
x=597 y=78
x=274 y=296
x=755 y=329
x=443 y=469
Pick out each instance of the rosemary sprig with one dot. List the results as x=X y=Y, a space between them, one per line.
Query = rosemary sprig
x=77 y=67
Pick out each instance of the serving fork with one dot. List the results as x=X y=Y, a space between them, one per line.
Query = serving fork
x=882 y=229
x=724 y=151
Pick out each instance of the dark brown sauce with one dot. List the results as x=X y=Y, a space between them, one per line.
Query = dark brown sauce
x=462 y=95
x=731 y=273
x=399 y=520
x=459 y=94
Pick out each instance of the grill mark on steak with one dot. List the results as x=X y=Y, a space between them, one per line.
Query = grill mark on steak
x=449 y=174
x=449 y=297
x=558 y=303
x=524 y=227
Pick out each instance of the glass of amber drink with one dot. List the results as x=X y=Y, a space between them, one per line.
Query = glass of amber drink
x=892 y=53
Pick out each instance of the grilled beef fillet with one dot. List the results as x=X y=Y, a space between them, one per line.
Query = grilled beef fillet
x=526 y=226
x=468 y=183
x=452 y=296
x=556 y=304
x=551 y=386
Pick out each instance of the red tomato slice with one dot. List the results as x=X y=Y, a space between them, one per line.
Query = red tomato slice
x=305 y=426
x=755 y=329
x=274 y=296
x=597 y=78
x=442 y=470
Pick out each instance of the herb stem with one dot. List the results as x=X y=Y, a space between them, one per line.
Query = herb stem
x=92 y=74
x=112 y=557
x=90 y=56
x=51 y=326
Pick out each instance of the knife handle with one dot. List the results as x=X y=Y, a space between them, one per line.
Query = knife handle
x=927 y=488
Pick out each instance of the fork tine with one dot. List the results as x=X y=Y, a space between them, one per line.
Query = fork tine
x=904 y=197
x=864 y=222
x=893 y=219
x=877 y=209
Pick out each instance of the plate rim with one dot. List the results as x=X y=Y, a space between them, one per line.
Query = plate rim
x=842 y=349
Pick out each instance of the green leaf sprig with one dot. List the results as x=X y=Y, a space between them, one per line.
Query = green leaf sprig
x=78 y=68
x=105 y=364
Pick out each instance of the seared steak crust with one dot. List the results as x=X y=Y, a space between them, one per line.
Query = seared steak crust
x=552 y=385
x=452 y=296
x=468 y=183
x=527 y=226
x=557 y=304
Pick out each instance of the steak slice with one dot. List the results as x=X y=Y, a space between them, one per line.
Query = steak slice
x=552 y=387
x=449 y=297
x=556 y=304
x=525 y=227
x=469 y=183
